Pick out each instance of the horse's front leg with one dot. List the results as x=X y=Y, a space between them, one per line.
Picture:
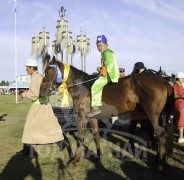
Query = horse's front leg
x=96 y=135
x=82 y=130
x=82 y=126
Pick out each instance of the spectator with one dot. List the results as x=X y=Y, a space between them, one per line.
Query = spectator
x=41 y=125
x=138 y=68
x=121 y=72
x=179 y=104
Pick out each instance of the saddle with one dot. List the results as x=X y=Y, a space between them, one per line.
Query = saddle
x=102 y=70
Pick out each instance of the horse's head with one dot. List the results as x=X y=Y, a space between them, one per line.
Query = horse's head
x=52 y=76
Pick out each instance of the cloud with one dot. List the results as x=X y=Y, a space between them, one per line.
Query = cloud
x=169 y=9
x=7 y=45
x=146 y=30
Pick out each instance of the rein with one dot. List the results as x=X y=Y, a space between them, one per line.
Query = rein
x=76 y=84
x=63 y=84
x=81 y=82
x=53 y=87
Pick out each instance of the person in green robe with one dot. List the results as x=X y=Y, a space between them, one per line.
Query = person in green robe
x=108 y=71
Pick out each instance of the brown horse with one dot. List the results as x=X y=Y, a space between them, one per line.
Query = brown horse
x=151 y=92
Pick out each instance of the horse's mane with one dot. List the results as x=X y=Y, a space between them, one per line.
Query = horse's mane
x=159 y=73
x=82 y=73
x=76 y=72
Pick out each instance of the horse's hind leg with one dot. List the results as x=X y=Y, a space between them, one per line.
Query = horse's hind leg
x=151 y=139
x=131 y=130
x=96 y=135
x=161 y=136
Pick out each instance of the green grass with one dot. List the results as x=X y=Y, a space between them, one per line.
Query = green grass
x=50 y=164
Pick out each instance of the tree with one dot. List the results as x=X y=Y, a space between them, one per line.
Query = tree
x=3 y=83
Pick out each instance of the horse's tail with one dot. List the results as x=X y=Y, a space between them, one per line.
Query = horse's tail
x=169 y=119
x=170 y=105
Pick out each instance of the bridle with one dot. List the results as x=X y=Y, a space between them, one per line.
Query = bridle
x=52 y=85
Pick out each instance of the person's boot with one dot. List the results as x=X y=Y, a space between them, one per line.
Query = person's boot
x=94 y=111
x=24 y=151
x=63 y=144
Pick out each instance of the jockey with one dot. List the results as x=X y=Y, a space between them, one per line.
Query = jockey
x=108 y=71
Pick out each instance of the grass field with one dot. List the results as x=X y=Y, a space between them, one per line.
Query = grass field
x=49 y=164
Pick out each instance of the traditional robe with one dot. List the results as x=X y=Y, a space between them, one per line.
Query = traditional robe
x=41 y=125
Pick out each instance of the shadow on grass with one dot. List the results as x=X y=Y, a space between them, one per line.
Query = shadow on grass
x=61 y=168
x=147 y=157
x=19 y=167
x=2 y=117
x=131 y=168
x=137 y=172
x=99 y=172
x=144 y=171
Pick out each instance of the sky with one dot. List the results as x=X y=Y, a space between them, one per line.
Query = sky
x=151 y=31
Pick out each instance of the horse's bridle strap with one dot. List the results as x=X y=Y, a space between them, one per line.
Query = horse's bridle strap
x=59 y=74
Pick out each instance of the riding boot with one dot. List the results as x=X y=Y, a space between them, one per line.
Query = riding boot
x=63 y=144
x=24 y=151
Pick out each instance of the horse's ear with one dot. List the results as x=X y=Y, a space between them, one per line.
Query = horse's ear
x=45 y=61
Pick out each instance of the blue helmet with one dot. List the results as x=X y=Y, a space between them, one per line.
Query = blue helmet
x=102 y=39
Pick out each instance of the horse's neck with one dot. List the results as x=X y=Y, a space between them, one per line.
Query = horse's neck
x=76 y=83
x=78 y=75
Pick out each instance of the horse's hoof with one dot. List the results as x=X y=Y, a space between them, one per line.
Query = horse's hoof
x=154 y=164
x=160 y=168
x=72 y=162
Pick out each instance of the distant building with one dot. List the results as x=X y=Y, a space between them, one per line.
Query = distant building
x=23 y=82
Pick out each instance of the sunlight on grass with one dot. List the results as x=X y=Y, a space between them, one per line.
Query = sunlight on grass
x=117 y=162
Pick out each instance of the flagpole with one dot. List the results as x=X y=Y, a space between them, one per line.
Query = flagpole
x=15 y=14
